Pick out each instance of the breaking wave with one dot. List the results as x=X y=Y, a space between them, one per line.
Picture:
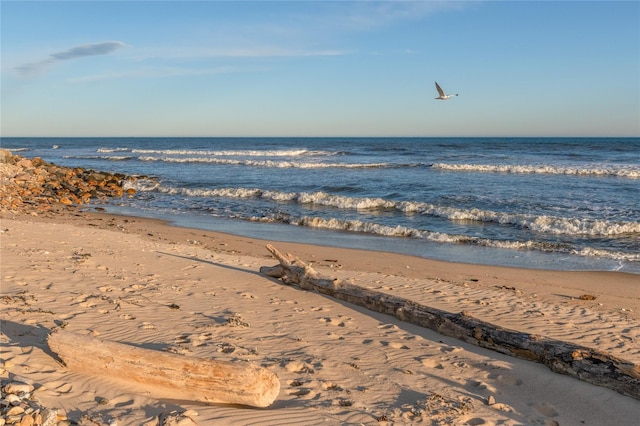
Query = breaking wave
x=108 y=150
x=540 y=224
x=265 y=163
x=101 y=157
x=630 y=172
x=225 y=153
x=401 y=231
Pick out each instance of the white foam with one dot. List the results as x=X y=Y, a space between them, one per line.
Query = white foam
x=238 y=153
x=540 y=224
x=628 y=171
x=108 y=150
x=101 y=157
x=401 y=231
x=261 y=163
x=141 y=184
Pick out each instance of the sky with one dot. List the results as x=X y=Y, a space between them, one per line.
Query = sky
x=330 y=68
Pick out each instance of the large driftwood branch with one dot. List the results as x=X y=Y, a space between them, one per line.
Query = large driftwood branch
x=171 y=375
x=584 y=363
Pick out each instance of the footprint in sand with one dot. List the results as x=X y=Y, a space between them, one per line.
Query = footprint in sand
x=481 y=386
x=394 y=345
x=546 y=409
x=335 y=336
x=339 y=322
x=430 y=362
x=298 y=367
x=306 y=392
x=451 y=349
x=80 y=299
x=506 y=379
x=331 y=386
x=88 y=304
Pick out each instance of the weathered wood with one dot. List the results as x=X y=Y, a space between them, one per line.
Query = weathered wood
x=171 y=375
x=581 y=362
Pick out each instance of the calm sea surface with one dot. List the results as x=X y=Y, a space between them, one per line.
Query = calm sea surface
x=554 y=203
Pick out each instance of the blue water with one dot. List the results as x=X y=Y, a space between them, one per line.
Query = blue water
x=554 y=203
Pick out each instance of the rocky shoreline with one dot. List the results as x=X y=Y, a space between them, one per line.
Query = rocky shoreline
x=35 y=186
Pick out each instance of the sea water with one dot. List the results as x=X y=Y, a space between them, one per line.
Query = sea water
x=554 y=203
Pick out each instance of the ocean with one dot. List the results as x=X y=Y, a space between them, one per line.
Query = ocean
x=551 y=203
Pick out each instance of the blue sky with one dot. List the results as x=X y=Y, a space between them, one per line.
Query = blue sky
x=304 y=68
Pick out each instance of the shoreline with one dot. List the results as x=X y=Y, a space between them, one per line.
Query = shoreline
x=621 y=293
x=70 y=267
x=444 y=252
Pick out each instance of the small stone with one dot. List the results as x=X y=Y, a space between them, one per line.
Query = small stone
x=49 y=417
x=17 y=388
x=15 y=411
x=491 y=400
x=12 y=399
x=27 y=420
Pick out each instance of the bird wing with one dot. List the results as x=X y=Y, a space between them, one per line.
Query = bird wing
x=440 y=91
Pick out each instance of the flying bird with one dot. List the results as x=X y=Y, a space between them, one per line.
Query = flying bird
x=442 y=96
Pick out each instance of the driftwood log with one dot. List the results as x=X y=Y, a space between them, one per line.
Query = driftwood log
x=581 y=362
x=171 y=375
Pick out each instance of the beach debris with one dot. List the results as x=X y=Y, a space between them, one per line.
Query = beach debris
x=167 y=374
x=35 y=186
x=235 y=320
x=178 y=418
x=587 y=364
x=587 y=297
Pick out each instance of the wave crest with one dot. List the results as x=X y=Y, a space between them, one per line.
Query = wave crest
x=539 y=224
x=264 y=163
x=401 y=231
x=630 y=172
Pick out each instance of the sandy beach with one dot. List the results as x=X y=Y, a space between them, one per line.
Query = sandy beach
x=200 y=294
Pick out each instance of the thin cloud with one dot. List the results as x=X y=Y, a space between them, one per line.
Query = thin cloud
x=252 y=52
x=81 y=51
x=166 y=72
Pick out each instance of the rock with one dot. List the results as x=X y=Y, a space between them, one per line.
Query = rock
x=14 y=411
x=27 y=420
x=19 y=409
x=5 y=155
x=33 y=185
x=17 y=388
x=49 y=417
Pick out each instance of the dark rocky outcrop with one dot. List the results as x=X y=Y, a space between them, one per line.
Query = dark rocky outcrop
x=33 y=185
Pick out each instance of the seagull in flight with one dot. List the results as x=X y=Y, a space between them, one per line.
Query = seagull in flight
x=442 y=96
